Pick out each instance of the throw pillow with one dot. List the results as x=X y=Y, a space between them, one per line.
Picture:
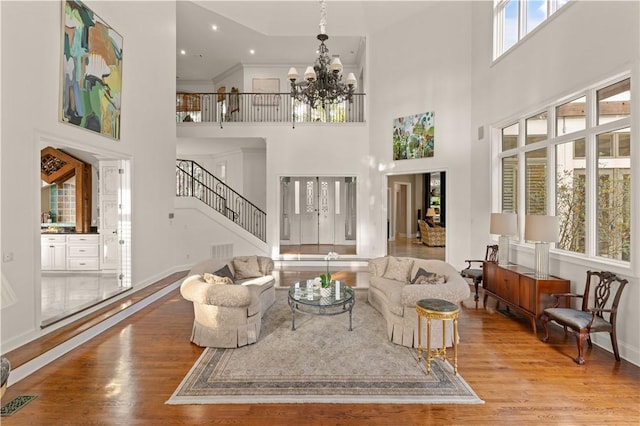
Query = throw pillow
x=246 y=267
x=399 y=269
x=215 y=279
x=264 y=264
x=225 y=271
x=378 y=266
x=432 y=279
x=421 y=273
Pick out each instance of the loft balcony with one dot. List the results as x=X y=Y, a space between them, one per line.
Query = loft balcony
x=238 y=107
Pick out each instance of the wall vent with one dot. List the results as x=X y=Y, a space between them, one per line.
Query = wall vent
x=222 y=251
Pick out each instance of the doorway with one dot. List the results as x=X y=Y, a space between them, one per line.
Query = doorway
x=413 y=197
x=318 y=215
x=81 y=266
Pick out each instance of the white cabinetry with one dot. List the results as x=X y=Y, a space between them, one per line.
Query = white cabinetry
x=53 y=250
x=83 y=252
x=77 y=252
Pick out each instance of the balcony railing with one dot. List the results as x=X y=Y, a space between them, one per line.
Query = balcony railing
x=263 y=108
x=192 y=180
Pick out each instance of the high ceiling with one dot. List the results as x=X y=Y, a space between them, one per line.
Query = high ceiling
x=280 y=32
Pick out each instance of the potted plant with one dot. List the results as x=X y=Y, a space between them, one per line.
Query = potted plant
x=325 y=279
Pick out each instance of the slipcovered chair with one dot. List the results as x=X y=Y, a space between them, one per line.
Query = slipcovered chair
x=607 y=289
x=491 y=255
x=432 y=236
x=229 y=297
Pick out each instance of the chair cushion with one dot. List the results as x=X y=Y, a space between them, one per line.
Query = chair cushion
x=576 y=319
x=472 y=273
x=399 y=269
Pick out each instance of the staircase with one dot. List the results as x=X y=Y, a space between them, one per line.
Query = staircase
x=192 y=180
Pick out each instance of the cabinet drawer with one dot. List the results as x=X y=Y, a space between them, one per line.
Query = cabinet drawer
x=83 y=239
x=44 y=239
x=82 y=264
x=82 y=251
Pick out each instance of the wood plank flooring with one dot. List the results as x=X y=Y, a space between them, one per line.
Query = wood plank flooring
x=125 y=375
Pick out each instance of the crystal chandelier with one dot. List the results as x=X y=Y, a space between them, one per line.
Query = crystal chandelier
x=322 y=83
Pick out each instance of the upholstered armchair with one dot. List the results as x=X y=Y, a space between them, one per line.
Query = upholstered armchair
x=598 y=316
x=432 y=236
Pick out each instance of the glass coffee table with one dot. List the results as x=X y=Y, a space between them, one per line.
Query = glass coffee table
x=305 y=300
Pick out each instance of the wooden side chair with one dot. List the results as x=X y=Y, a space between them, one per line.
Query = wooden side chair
x=601 y=316
x=475 y=273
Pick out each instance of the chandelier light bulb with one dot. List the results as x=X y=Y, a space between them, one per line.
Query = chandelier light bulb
x=336 y=65
x=293 y=74
x=351 y=80
x=310 y=74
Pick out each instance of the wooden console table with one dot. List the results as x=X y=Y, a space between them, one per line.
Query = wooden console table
x=519 y=289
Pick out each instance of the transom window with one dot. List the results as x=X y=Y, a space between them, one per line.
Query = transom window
x=514 y=19
x=578 y=169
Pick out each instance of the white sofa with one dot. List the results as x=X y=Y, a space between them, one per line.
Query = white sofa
x=228 y=315
x=396 y=298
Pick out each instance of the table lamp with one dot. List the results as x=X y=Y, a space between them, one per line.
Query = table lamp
x=505 y=225
x=543 y=230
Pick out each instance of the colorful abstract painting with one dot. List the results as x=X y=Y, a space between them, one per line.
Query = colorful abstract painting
x=91 y=87
x=413 y=136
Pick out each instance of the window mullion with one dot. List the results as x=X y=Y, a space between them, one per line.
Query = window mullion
x=551 y=161
x=591 y=184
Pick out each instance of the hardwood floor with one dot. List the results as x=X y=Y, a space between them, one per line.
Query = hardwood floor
x=125 y=375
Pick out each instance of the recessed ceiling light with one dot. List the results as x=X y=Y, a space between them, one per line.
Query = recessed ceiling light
x=183 y=52
x=214 y=27
x=253 y=52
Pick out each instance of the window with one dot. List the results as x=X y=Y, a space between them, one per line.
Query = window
x=570 y=197
x=535 y=185
x=515 y=19
x=536 y=128
x=510 y=137
x=557 y=168
x=614 y=196
x=510 y=184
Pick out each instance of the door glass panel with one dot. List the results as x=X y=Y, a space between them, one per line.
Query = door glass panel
x=328 y=220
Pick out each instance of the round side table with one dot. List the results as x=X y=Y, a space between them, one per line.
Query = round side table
x=437 y=309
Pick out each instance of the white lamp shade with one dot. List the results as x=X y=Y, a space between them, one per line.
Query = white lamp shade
x=293 y=74
x=351 y=80
x=309 y=74
x=336 y=65
x=430 y=212
x=504 y=224
x=541 y=228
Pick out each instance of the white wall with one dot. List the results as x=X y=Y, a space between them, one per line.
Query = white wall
x=583 y=44
x=254 y=175
x=419 y=65
x=307 y=150
x=31 y=51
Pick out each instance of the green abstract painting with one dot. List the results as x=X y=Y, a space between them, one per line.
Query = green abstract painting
x=91 y=86
x=413 y=136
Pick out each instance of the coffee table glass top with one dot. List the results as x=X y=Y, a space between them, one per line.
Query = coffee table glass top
x=308 y=296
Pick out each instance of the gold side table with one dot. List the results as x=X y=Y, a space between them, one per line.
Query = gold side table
x=437 y=309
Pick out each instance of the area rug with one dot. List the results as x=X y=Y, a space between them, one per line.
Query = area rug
x=321 y=362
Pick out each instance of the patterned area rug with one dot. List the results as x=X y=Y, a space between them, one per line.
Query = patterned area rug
x=322 y=362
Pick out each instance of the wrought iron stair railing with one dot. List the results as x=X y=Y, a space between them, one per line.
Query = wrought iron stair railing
x=192 y=180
